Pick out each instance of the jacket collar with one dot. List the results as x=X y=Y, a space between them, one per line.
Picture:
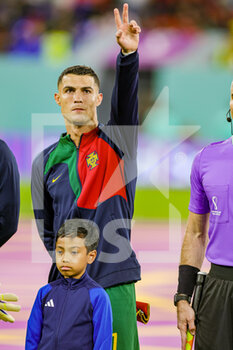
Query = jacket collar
x=73 y=283
x=86 y=136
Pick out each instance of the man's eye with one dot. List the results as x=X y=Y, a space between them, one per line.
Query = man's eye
x=74 y=252
x=87 y=91
x=68 y=91
x=59 y=252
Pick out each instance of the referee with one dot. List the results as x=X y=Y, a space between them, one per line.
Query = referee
x=211 y=214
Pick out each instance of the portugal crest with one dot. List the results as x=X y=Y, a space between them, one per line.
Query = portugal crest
x=92 y=160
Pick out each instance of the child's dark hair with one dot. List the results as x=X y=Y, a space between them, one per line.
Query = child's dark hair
x=81 y=228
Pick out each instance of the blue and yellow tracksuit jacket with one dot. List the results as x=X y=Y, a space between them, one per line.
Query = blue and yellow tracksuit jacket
x=95 y=181
x=70 y=314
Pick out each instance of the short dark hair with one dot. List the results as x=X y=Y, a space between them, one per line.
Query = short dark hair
x=88 y=230
x=79 y=70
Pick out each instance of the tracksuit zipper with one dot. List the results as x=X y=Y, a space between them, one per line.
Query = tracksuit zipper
x=77 y=150
x=77 y=154
x=61 y=315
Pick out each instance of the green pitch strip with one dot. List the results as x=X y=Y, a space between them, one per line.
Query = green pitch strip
x=149 y=203
x=153 y=204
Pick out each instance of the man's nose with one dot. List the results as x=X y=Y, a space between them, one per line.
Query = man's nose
x=78 y=96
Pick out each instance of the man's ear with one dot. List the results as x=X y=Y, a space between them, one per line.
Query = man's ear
x=57 y=98
x=91 y=256
x=99 y=99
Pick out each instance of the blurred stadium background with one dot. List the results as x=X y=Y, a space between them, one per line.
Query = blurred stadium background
x=186 y=63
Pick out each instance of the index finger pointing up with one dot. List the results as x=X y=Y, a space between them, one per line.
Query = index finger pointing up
x=117 y=18
x=125 y=15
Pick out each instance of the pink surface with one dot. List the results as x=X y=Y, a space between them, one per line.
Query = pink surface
x=25 y=265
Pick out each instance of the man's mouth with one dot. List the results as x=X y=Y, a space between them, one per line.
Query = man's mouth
x=77 y=109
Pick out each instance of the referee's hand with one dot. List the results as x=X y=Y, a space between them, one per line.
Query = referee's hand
x=185 y=320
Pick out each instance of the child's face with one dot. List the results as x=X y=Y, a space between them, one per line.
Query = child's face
x=72 y=257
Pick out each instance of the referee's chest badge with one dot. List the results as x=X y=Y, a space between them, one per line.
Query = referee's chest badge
x=215 y=212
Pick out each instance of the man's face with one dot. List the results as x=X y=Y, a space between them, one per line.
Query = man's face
x=72 y=257
x=78 y=97
x=231 y=99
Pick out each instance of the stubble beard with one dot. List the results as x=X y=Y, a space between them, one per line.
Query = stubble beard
x=81 y=120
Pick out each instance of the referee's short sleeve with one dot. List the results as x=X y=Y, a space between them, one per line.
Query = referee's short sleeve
x=199 y=203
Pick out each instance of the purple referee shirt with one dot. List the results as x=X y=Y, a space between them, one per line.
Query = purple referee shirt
x=212 y=192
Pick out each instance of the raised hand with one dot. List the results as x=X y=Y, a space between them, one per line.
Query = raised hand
x=127 y=34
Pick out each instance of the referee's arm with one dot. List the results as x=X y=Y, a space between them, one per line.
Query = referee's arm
x=192 y=253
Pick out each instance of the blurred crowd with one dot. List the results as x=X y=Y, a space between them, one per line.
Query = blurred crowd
x=188 y=14
x=24 y=24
